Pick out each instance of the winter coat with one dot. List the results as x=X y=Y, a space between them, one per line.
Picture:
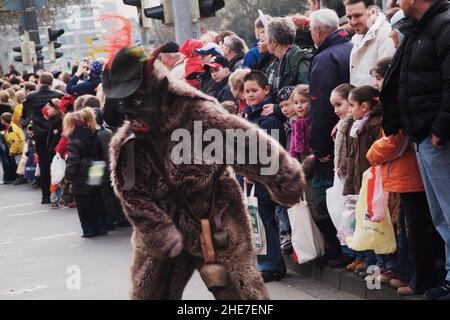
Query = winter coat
x=357 y=161
x=368 y=49
x=252 y=57
x=329 y=68
x=78 y=88
x=15 y=139
x=17 y=115
x=192 y=62
x=32 y=111
x=208 y=85
x=295 y=71
x=54 y=134
x=4 y=107
x=342 y=145
x=224 y=92
x=416 y=90
x=398 y=161
x=61 y=148
x=84 y=148
x=264 y=63
x=237 y=62
x=268 y=123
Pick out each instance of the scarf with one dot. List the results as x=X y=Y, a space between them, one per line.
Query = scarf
x=359 y=125
x=300 y=138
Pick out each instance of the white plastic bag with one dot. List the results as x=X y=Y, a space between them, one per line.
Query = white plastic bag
x=347 y=221
x=259 y=233
x=57 y=169
x=38 y=171
x=335 y=201
x=307 y=240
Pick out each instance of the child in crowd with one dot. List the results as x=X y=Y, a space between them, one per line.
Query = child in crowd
x=284 y=226
x=14 y=136
x=55 y=118
x=30 y=166
x=257 y=95
x=236 y=82
x=339 y=100
x=366 y=129
x=300 y=147
x=84 y=148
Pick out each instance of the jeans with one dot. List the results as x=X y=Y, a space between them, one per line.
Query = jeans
x=273 y=261
x=387 y=261
x=403 y=266
x=282 y=218
x=435 y=169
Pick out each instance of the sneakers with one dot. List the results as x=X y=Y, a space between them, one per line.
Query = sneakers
x=285 y=242
x=56 y=205
x=269 y=276
x=341 y=262
x=439 y=293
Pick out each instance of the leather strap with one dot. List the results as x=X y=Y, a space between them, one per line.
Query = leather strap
x=206 y=242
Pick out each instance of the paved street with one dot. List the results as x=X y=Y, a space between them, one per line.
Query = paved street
x=41 y=250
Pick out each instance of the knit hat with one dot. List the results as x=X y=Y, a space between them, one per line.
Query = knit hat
x=96 y=67
x=285 y=93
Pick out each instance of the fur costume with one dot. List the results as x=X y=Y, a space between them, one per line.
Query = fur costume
x=166 y=246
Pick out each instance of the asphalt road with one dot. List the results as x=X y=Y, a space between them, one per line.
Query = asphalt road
x=42 y=256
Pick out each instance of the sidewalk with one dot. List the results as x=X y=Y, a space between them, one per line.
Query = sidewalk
x=345 y=281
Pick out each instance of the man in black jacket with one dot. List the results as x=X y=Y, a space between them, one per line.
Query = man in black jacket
x=416 y=97
x=32 y=111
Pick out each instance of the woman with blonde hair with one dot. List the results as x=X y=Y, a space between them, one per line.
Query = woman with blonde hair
x=83 y=150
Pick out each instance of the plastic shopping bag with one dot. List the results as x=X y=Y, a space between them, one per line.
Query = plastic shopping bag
x=57 y=169
x=307 y=240
x=369 y=235
x=377 y=198
x=259 y=233
x=347 y=222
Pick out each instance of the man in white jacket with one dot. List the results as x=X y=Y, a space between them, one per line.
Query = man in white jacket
x=372 y=40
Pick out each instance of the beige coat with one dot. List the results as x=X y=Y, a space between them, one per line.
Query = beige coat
x=368 y=49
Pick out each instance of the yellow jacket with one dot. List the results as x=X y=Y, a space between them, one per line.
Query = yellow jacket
x=17 y=115
x=15 y=139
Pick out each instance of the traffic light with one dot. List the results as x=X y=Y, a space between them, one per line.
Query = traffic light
x=208 y=8
x=27 y=50
x=163 y=12
x=52 y=36
x=134 y=3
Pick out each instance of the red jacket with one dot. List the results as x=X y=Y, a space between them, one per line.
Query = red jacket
x=193 y=62
x=400 y=172
x=61 y=148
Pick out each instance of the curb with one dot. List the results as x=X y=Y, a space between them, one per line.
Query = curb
x=345 y=281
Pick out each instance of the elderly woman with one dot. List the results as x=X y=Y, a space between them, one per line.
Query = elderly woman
x=291 y=66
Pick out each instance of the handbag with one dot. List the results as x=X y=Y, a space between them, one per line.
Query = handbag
x=307 y=240
x=258 y=230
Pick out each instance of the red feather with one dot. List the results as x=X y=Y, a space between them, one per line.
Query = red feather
x=119 y=37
